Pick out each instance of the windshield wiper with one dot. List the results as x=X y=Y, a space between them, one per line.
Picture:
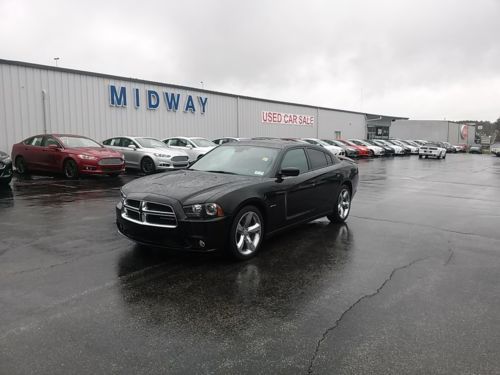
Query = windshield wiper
x=225 y=172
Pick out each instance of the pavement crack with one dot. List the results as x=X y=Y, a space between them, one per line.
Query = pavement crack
x=366 y=296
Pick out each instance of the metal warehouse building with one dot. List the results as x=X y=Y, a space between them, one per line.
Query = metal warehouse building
x=432 y=130
x=38 y=99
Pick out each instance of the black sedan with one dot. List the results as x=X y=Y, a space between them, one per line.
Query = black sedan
x=5 y=168
x=236 y=195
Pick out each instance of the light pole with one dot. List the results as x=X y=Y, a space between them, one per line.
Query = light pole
x=56 y=59
x=202 y=85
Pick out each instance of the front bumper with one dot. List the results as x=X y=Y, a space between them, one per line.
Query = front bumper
x=95 y=169
x=192 y=235
x=168 y=164
x=6 y=172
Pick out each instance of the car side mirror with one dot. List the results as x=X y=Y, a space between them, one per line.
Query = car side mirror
x=189 y=146
x=288 y=172
x=132 y=147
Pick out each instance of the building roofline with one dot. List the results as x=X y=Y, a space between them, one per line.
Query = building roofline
x=143 y=81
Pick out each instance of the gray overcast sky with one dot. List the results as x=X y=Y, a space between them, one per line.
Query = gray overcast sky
x=423 y=59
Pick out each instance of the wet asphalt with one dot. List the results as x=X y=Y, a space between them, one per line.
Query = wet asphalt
x=410 y=285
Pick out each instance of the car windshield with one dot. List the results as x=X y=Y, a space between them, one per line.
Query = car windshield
x=202 y=142
x=150 y=143
x=241 y=160
x=75 y=142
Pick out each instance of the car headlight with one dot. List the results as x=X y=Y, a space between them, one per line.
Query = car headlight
x=203 y=210
x=161 y=155
x=87 y=157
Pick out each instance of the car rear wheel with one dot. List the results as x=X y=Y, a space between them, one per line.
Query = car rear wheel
x=342 y=207
x=247 y=233
x=21 y=165
x=70 y=169
x=147 y=165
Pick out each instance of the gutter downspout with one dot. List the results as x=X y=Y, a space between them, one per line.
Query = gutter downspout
x=44 y=108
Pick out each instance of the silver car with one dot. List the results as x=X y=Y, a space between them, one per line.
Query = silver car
x=195 y=147
x=148 y=154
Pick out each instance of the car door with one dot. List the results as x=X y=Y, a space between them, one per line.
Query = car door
x=132 y=155
x=32 y=152
x=297 y=203
x=326 y=179
x=51 y=156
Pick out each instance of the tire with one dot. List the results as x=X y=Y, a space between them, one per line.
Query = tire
x=444 y=156
x=21 y=166
x=342 y=207
x=70 y=169
x=246 y=234
x=147 y=165
x=420 y=156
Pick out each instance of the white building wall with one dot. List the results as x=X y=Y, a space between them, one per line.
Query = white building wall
x=79 y=103
x=432 y=130
x=351 y=125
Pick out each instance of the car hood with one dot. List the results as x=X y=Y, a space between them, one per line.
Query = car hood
x=187 y=186
x=333 y=148
x=98 y=152
x=165 y=150
x=204 y=149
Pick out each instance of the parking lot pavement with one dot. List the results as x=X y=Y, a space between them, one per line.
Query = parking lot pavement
x=409 y=285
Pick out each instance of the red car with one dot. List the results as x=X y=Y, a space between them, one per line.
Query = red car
x=70 y=154
x=362 y=150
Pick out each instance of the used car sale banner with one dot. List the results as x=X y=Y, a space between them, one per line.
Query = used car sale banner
x=269 y=117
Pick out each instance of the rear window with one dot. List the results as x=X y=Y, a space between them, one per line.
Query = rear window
x=318 y=159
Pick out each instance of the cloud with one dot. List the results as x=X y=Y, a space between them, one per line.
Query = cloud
x=422 y=59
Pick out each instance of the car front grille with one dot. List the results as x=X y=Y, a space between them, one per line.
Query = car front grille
x=180 y=159
x=110 y=161
x=149 y=213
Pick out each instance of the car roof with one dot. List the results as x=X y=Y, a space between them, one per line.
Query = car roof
x=273 y=143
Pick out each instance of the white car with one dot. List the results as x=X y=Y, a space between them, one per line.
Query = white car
x=398 y=150
x=495 y=149
x=335 y=150
x=377 y=150
x=221 y=141
x=413 y=147
x=147 y=154
x=194 y=147
x=431 y=150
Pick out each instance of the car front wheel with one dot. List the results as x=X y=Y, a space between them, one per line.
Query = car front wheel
x=21 y=165
x=343 y=206
x=147 y=165
x=247 y=233
x=70 y=169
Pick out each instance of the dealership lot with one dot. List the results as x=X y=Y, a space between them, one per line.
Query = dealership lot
x=409 y=285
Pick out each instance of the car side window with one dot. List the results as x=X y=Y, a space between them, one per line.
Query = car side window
x=35 y=141
x=295 y=159
x=218 y=141
x=329 y=159
x=115 y=142
x=317 y=158
x=125 y=142
x=107 y=142
x=47 y=141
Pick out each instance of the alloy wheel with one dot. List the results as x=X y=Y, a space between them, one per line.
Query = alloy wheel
x=344 y=203
x=248 y=233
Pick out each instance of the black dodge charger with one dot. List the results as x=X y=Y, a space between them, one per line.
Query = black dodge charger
x=236 y=195
x=5 y=168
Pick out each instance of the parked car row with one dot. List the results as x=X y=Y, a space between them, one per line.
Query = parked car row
x=74 y=155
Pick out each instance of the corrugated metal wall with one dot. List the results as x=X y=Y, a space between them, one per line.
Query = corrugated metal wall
x=444 y=131
x=79 y=103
